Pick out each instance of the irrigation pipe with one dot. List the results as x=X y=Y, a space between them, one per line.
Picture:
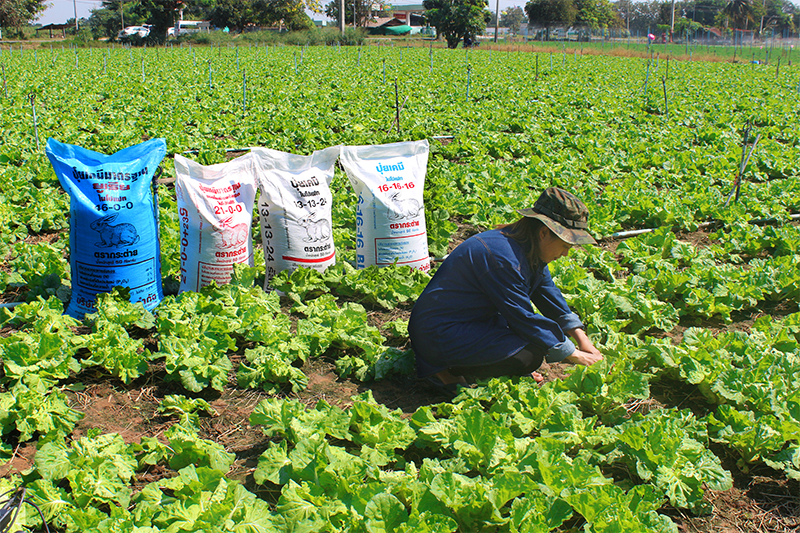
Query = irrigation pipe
x=635 y=232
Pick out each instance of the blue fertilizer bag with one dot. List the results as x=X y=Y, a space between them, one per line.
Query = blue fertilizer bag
x=113 y=214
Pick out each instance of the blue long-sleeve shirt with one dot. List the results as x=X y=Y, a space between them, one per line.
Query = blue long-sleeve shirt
x=477 y=308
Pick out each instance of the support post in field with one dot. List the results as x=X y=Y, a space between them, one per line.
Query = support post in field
x=143 y=78
x=469 y=71
x=778 y=68
x=209 y=74
x=537 y=67
x=397 y=105
x=742 y=165
x=244 y=93
x=35 y=126
x=384 y=71
x=5 y=86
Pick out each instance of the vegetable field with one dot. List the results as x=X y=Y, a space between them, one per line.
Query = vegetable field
x=238 y=410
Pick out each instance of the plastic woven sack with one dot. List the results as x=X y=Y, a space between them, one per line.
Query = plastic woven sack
x=113 y=221
x=215 y=209
x=295 y=209
x=390 y=219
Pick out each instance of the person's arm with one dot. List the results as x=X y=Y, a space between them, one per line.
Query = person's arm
x=507 y=290
x=551 y=303
x=549 y=300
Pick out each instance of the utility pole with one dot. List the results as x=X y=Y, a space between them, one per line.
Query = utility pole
x=672 y=21
x=497 y=20
x=75 y=7
x=122 y=13
x=341 y=16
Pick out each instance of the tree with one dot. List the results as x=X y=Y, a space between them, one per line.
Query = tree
x=642 y=17
x=512 y=18
x=456 y=19
x=232 y=14
x=739 y=13
x=549 y=13
x=364 y=11
x=775 y=15
x=107 y=20
x=17 y=13
x=290 y=13
x=597 y=14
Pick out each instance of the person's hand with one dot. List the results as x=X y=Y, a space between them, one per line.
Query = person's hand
x=580 y=357
x=583 y=342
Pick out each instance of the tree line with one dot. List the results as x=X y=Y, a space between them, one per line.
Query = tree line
x=454 y=20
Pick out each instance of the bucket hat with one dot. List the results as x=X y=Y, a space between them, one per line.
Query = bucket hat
x=563 y=213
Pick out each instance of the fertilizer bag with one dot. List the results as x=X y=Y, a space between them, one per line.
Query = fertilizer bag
x=390 y=218
x=215 y=208
x=113 y=237
x=295 y=209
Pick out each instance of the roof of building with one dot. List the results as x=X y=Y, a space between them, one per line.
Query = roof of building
x=409 y=7
x=56 y=27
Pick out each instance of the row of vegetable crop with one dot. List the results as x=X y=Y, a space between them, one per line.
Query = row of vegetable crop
x=505 y=455
x=583 y=122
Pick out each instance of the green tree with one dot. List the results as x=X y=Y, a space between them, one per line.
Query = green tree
x=597 y=14
x=550 y=13
x=701 y=11
x=232 y=14
x=17 y=13
x=364 y=11
x=739 y=13
x=107 y=20
x=238 y=14
x=775 y=16
x=290 y=13
x=456 y=19
x=644 y=17
x=512 y=18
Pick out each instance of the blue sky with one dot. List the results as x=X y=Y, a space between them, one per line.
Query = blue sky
x=61 y=10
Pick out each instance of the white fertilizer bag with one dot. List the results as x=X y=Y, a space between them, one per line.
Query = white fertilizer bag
x=390 y=219
x=113 y=213
x=295 y=209
x=215 y=208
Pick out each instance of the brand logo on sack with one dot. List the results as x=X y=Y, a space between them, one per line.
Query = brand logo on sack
x=103 y=175
x=390 y=168
x=313 y=182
